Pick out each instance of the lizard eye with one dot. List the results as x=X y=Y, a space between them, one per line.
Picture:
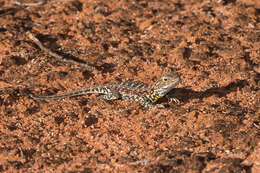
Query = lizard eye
x=165 y=79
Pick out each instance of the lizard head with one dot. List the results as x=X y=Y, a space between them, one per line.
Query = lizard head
x=163 y=85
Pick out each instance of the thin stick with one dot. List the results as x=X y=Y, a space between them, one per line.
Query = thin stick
x=48 y=51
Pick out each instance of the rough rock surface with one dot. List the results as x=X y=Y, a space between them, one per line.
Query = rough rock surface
x=214 y=45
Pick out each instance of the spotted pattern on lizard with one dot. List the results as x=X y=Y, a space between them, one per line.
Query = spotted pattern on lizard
x=146 y=95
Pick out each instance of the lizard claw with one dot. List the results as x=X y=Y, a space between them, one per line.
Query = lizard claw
x=174 y=99
x=171 y=99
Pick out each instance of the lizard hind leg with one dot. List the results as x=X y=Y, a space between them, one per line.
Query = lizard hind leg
x=110 y=96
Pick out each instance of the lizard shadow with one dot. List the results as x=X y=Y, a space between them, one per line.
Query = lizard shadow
x=184 y=95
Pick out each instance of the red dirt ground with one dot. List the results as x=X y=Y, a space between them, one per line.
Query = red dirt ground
x=213 y=45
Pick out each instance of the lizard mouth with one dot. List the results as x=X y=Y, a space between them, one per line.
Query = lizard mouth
x=163 y=91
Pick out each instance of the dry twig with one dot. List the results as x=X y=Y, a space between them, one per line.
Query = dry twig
x=49 y=52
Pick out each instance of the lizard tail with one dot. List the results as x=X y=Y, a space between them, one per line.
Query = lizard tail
x=98 y=90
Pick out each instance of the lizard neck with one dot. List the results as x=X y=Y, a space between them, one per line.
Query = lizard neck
x=154 y=97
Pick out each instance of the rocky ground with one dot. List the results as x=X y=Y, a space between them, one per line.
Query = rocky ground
x=214 y=45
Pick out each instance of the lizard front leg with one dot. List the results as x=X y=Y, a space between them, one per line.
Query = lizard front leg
x=147 y=103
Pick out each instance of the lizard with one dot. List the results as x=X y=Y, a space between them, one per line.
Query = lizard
x=146 y=95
